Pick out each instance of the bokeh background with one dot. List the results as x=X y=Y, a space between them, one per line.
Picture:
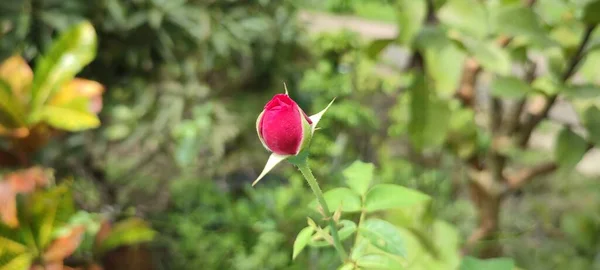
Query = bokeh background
x=185 y=80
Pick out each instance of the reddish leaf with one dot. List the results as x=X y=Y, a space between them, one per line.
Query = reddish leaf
x=64 y=246
x=48 y=266
x=27 y=180
x=102 y=233
x=8 y=205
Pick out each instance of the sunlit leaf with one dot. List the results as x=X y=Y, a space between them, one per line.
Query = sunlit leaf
x=359 y=176
x=379 y=262
x=390 y=196
x=20 y=262
x=383 y=235
x=467 y=16
x=91 y=91
x=348 y=199
x=73 y=50
x=509 y=87
x=411 y=14
x=69 y=119
x=17 y=73
x=302 y=240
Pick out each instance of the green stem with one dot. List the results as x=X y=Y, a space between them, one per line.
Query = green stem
x=312 y=182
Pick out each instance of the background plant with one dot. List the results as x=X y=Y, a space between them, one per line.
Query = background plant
x=183 y=81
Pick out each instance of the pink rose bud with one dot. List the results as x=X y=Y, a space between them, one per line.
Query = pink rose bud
x=283 y=127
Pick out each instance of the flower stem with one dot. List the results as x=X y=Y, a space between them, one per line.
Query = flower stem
x=312 y=182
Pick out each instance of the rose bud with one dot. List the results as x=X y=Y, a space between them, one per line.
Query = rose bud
x=284 y=129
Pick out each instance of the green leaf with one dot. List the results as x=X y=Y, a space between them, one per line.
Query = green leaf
x=428 y=123
x=390 y=196
x=377 y=46
x=348 y=199
x=517 y=20
x=383 y=235
x=378 y=262
x=69 y=119
x=547 y=84
x=467 y=16
x=50 y=210
x=583 y=91
x=591 y=120
x=591 y=13
x=73 y=50
x=509 y=87
x=359 y=176
x=411 y=14
x=20 y=262
x=490 y=55
x=570 y=148
x=128 y=232
x=302 y=240
x=348 y=228
x=347 y=266
x=445 y=66
x=470 y=263
x=11 y=107
x=552 y=11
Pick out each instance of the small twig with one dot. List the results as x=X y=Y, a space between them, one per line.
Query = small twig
x=514 y=119
x=524 y=176
x=534 y=119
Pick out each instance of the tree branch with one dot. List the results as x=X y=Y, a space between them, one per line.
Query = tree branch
x=534 y=119
x=485 y=181
x=524 y=176
x=514 y=119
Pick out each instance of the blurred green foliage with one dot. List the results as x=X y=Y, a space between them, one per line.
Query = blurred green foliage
x=186 y=80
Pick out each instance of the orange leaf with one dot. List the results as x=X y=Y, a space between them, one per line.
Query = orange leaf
x=102 y=234
x=78 y=87
x=8 y=205
x=17 y=73
x=25 y=181
x=95 y=266
x=64 y=246
x=49 y=266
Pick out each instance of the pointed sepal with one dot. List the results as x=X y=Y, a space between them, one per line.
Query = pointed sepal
x=285 y=87
x=274 y=159
x=317 y=117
